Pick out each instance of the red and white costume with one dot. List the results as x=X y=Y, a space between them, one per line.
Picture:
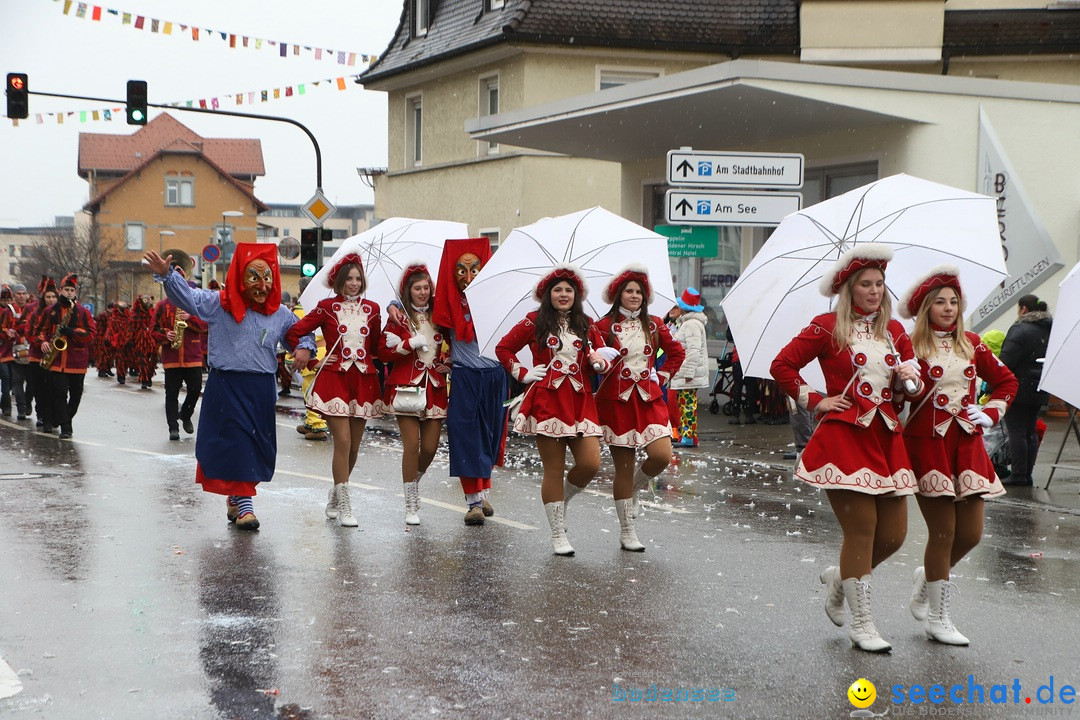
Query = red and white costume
x=349 y=386
x=426 y=366
x=946 y=448
x=630 y=401
x=561 y=404
x=860 y=448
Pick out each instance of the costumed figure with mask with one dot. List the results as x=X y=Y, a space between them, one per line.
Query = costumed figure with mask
x=236 y=447
x=179 y=335
x=64 y=334
x=119 y=339
x=103 y=355
x=630 y=398
x=346 y=389
x=475 y=416
x=415 y=357
x=558 y=407
x=143 y=349
x=857 y=454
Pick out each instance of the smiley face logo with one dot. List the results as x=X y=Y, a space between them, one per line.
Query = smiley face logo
x=862 y=693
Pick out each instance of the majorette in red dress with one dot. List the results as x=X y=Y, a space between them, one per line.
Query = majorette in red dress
x=425 y=366
x=561 y=404
x=348 y=387
x=630 y=403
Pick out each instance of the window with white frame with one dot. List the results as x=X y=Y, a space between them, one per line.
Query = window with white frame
x=495 y=4
x=492 y=235
x=609 y=77
x=421 y=16
x=135 y=235
x=489 y=105
x=414 y=131
x=179 y=191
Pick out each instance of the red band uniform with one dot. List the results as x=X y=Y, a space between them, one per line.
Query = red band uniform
x=426 y=366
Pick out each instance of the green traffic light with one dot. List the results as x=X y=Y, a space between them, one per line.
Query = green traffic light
x=308 y=269
x=137 y=115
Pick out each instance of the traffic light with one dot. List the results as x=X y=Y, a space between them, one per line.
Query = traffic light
x=18 y=96
x=136 y=102
x=309 y=252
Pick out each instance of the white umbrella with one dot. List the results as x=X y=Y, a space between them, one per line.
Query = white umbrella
x=598 y=241
x=926 y=224
x=386 y=250
x=1059 y=371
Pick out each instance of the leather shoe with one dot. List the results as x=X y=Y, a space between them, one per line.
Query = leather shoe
x=188 y=427
x=247 y=522
x=791 y=455
x=486 y=508
x=475 y=516
x=65 y=434
x=174 y=434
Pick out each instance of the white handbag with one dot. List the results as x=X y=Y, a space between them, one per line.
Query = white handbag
x=410 y=399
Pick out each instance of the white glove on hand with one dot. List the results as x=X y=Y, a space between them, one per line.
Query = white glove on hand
x=609 y=353
x=391 y=340
x=653 y=376
x=537 y=373
x=418 y=342
x=978 y=417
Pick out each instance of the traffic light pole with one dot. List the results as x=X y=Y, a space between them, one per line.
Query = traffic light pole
x=314 y=142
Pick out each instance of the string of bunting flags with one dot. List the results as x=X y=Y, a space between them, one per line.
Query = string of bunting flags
x=96 y=13
x=214 y=103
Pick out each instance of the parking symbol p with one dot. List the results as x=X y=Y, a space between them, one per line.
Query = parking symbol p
x=704 y=207
x=704 y=167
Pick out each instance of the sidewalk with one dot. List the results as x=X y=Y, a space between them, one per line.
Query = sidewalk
x=766 y=444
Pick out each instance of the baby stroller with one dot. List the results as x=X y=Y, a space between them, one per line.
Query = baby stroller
x=723 y=384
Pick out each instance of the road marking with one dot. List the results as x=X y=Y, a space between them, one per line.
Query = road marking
x=9 y=681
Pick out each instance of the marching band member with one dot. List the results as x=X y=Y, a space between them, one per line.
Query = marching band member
x=64 y=333
x=179 y=335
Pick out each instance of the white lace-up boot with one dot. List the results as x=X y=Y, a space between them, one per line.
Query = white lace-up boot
x=938 y=623
x=345 y=516
x=627 y=537
x=920 y=604
x=834 y=596
x=412 y=503
x=641 y=481
x=863 y=633
x=569 y=490
x=559 y=543
x=331 y=503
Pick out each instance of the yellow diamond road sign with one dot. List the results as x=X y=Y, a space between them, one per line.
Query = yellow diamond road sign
x=318 y=208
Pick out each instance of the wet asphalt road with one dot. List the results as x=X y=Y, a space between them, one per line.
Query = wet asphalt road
x=124 y=593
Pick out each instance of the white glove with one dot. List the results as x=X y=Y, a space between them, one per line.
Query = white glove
x=534 y=374
x=391 y=340
x=653 y=376
x=608 y=353
x=418 y=342
x=978 y=417
x=912 y=386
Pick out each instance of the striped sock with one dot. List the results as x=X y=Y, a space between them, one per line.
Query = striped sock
x=246 y=507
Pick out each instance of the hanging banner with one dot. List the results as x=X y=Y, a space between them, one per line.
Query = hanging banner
x=1031 y=256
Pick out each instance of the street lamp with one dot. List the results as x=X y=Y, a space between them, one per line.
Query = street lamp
x=163 y=234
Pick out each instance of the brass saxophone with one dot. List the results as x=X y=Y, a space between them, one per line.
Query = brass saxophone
x=58 y=343
x=178 y=327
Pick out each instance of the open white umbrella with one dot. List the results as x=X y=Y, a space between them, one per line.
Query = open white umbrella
x=926 y=224
x=598 y=241
x=1059 y=374
x=386 y=250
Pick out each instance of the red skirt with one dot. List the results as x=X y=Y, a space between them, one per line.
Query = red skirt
x=953 y=466
x=436 y=403
x=558 y=412
x=634 y=422
x=872 y=460
x=348 y=393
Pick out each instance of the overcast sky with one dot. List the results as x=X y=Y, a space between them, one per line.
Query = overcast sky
x=68 y=55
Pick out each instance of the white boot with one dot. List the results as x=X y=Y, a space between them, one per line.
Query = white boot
x=834 y=596
x=919 y=605
x=412 y=503
x=863 y=634
x=641 y=481
x=331 y=503
x=938 y=623
x=627 y=536
x=345 y=516
x=559 y=542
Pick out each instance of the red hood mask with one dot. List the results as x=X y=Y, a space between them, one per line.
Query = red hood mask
x=450 y=309
x=232 y=295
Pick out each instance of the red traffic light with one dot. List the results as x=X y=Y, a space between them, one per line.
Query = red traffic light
x=18 y=96
x=17 y=82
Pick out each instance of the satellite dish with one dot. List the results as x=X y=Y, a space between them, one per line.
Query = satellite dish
x=289 y=248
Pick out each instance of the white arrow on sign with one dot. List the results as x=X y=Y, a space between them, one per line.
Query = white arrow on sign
x=734 y=170
x=716 y=207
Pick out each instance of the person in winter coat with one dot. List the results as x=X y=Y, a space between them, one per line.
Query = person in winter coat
x=943 y=435
x=1023 y=347
x=693 y=375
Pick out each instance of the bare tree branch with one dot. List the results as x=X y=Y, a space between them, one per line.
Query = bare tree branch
x=86 y=251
